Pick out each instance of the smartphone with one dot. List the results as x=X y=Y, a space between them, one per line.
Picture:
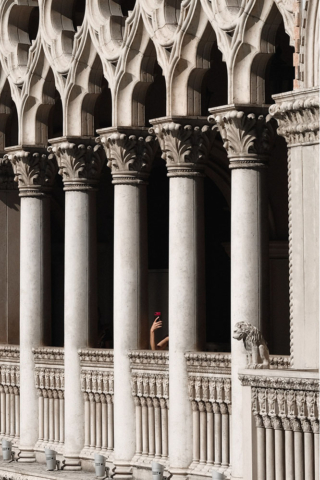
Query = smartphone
x=157 y=314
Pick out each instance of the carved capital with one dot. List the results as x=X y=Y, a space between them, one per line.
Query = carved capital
x=7 y=175
x=276 y=423
x=185 y=148
x=247 y=137
x=34 y=172
x=129 y=156
x=259 y=421
x=80 y=164
x=297 y=115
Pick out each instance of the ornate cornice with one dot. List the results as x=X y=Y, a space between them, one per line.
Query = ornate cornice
x=185 y=147
x=297 y=115
x=7 y=175
x=208 y=362
x=94 y=355
x=130 y=154
x=80 y=162
x=97 y=382
x=248 y=136
x=34 y=171
x=10 y=352
x=286 y=383
x=148 y=358
x=48 y=353
x=49 y=379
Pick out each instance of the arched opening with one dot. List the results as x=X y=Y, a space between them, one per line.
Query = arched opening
x=214 y=87
x=279 y=73
x=12 y=128
x=155 y=101
x=78 y=11
x=33 y=24
x=55 y=121
x=103 y=107
x=126 y=6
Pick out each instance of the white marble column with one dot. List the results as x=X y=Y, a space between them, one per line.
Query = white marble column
x=35 y=174
x=297 y=114
x=129 y=157
x=247 y=138
x=80 y=165
x=185 y=148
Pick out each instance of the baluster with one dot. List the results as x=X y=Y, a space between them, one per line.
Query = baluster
x=104 y=415
x=138 y=426
x=17 y=410
x=7 y=393
x=61 y=416
x=225 y=434
x=270 y=461
x=45 y=415
x=144 y=407
x=86 y=420
x=110 y=421
x=203 y=432
x=12 y=412
x=217 y=434
x=230 y=434
x=196 y=431
x=315 y=429
x=98 y=421
x=51 y=416
x=298 y=449
x=308 y=450
x=289 y=448
x=3 y=410
x=151 y=436
x=164 y=427
x=157 y=422
x=92 y=420
x=279 y=448
x=210 y=434
x=261 y=448
x=56 y=416
x=41 y=415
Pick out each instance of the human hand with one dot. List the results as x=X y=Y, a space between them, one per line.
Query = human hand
x=156 y=324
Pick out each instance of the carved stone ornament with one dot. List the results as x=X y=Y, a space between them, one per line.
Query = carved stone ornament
x=80 y=164
x=185 y=148
x=7 y=175
x=254 y=343
x=297 y=116
x=247 y=137
x=34 y=171
x=129 y=156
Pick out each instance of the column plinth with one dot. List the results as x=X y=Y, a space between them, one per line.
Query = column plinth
x=35 y=174
x=130 y=154
x=248 y=136
x=80 y=163
x=185 y=148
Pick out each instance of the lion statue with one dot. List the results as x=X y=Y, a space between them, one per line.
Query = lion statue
x=254 y=343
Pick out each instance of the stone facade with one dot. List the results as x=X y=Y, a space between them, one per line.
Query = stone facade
x=160 y=155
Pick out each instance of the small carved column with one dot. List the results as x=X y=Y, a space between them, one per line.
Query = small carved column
x=247 y=139
x=297 y=114
x=186 y=149
x=130 y=154
x=35 y=174
x=80 y=164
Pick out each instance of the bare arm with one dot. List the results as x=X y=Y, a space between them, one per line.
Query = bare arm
x=162 y=345
x=156 y=324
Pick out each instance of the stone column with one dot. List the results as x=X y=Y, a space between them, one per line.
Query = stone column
x=185 y=148
x=35 y=174
x=80 y=165
x=247 y=138
x=297 y=114
x=130 y=154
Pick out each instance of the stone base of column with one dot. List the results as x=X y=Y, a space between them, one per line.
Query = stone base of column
x=71 y=464
x=26 y=455
x=178 y=473
x=122 y=470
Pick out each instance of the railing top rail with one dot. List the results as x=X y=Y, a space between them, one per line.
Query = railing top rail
x=144 y=359
x=281 y=379
x=208 y=362
x=10 y=353
x=101 y=357
x=52 y=356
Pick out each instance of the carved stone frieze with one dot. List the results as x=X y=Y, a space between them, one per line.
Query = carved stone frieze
x=48 y=353
x=129 y=156
x=97 y=381
x=94 y=355
x=185 y=148
x=10 y=352
x=35 y=172
x=297 y=115
x=247 y=137
x=148 y=357
x=80 y=164
x=208 y=362
x=286 y=383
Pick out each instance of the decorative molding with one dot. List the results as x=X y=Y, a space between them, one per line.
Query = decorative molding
x=35 y=172
x=278 y=362
x=185 y=148
x=297 y=116
x=209 y=389
x=55 y=354
x=49 y=379
x=290 y=241
x=94 y=355
x=10 y=352
x=129 y=156
x=286 y=383
x=208 y=362
x=246 y=136
x=7 y=175
x=97 y=382
x=148 y=358
x=254 y=344
x=80 y=164
x=10 y=375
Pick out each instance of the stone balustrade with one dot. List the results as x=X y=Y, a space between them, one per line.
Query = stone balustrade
x=209 y=379
x=49 y=382
x=285 y=406
x=97 y=387
x=10 y=393
x=150 y=390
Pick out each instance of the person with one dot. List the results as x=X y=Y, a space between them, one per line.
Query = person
x=161 y=345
